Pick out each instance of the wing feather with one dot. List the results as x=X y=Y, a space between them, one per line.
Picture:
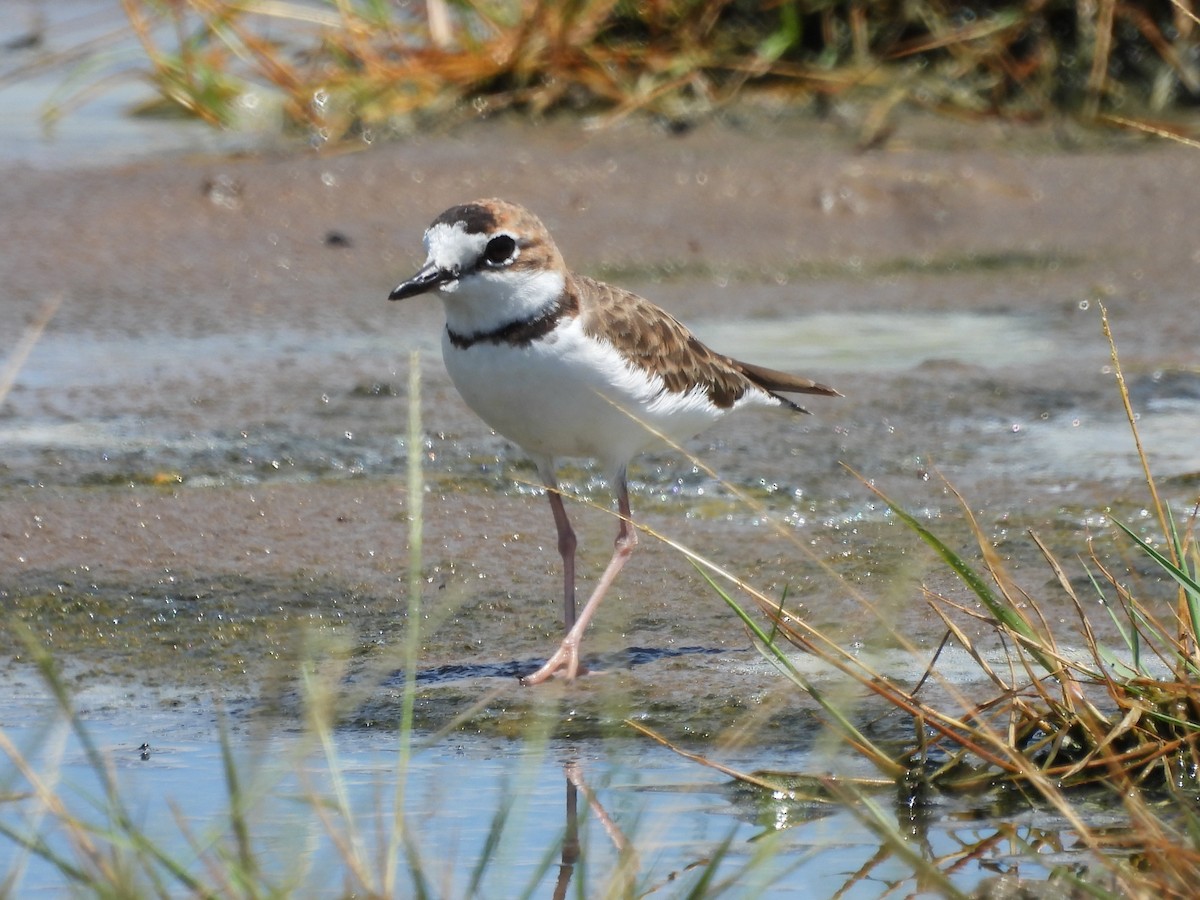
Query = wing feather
x=656 y=340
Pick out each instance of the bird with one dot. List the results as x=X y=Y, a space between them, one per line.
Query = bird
x=565 y=365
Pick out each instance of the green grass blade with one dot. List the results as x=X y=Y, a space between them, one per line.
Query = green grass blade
x=123 y=825
x=237 y=804
x=490 y=845
x=875 y=754
x=1193 y=597
x=1004 y=613
x=700 y=889
x=1131 y=636
x=1189 y=584
x=36 y=844
x=412 y=640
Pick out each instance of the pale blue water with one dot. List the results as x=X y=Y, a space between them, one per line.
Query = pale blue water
x=676 y=814
x=87 y=63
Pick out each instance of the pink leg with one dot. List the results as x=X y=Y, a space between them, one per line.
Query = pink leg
x=567 y=655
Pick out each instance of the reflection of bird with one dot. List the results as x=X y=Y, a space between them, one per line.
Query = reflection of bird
x=567 y=366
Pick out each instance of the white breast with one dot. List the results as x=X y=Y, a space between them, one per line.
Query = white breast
x=570 y=395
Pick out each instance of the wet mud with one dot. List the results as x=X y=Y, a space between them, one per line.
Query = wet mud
x=201 y=462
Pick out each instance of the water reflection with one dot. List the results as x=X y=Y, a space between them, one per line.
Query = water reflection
x=585 y=818
x=570 y=844
x=627 y=868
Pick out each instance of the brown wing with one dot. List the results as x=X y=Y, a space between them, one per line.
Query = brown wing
x=656 y=340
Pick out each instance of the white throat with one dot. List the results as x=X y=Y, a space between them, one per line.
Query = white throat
x=483 y=298
x=488 y=300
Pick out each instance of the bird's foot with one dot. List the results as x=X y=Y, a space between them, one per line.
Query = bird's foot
x=565 y=660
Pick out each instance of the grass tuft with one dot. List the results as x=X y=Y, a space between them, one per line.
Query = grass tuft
x=358 y=67
x=1064 y=728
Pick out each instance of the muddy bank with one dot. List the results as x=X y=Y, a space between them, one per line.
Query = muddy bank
x=199 y=465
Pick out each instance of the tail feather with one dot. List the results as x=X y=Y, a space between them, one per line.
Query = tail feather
x=781 y=382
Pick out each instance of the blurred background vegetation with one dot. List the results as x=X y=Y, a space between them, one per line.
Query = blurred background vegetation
x=368 y=66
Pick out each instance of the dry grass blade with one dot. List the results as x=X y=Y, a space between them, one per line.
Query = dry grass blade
x=1165 y=130
x=79 y=835
x=1119 y=374
x=744 y=777
x=20 y=353
x=898 y=841
x=1102 y=42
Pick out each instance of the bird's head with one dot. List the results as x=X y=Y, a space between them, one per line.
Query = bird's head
x=491 y=261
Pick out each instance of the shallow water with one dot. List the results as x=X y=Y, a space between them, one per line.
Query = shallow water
x=120 y=397
x=91 y=128
x=883 y=341
x=475 y=805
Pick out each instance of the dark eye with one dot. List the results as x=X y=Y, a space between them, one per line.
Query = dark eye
x=499 y=250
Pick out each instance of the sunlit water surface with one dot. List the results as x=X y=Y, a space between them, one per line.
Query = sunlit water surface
x=474 y=808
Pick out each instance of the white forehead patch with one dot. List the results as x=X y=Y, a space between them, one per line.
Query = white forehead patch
x=450 y=246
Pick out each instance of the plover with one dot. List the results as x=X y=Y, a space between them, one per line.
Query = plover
x=566 y=366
